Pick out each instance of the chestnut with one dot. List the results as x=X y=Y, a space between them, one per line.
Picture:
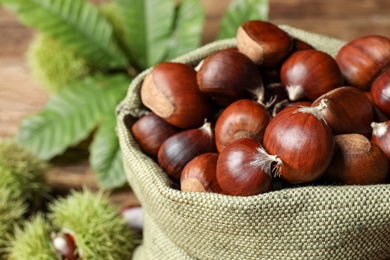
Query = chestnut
x=356 y=161
x=199 y=175
x=302 y=140
x=244 y=168
x=243 y=118
x=348 y=110
x=182 y=147
x=380 y=92
x=171 y=92
x=363 y=59
x=264 y=43
x=228 y=75
x=308 y=74
x=150 y=131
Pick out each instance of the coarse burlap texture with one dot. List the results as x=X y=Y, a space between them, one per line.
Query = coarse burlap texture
x=317 y=222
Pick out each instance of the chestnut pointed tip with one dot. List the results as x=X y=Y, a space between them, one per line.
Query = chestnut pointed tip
x=206 y=128
x=379 y=129
x=315 y=111
x=265 y=161
x=295 y=92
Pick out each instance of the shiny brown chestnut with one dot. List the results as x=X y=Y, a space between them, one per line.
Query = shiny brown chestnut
x=356 y=161
x=308 y=74
x=348 y=110
x=381 y=136
x=199 y=175
x=182 y=147
x=228 y=75
x=150 y=131
x=380 y=92
x=363 y=59
x=171 y=92
x=243 y=118
x=244 y=168
x=264 y=43
x=302 y=140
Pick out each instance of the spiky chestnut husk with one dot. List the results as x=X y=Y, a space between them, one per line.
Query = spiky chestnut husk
x=98 y=229
x=12 y=210
x=32 y=241
x=53 y=65
x=23 y=173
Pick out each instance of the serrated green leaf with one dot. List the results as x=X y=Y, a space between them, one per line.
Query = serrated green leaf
x=239 y=12
x=106 y=156
x=76 y=24
x=188 y=29
x=71 y=114
x=148 y=25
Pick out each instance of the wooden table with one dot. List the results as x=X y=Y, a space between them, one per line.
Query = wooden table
x=20 y=95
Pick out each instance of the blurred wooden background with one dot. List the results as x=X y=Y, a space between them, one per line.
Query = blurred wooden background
x=20 y=95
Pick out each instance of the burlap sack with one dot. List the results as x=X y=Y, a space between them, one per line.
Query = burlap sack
x=322 y=222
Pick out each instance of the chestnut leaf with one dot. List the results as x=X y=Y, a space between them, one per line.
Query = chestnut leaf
x=147 y=27
x=71 y=114
x=76 y=25
x=187 y=32
x=106 y=156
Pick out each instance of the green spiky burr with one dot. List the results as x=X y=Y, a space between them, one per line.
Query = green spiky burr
x=54 y=66
x=32 y=241
x=98 y=230
x=12 y=210
x=22 y=173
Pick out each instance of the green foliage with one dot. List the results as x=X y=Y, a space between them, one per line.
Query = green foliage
x=22 y=173
x=110 y=11
x=71 y=114
x=121 y=37
x=76 y=24
x=53 y=65
x=32 y=241
x=12 y=209
x=240 y=11
x=154 y=20
x=187 y=31
x=100 y=233
x=106 y=155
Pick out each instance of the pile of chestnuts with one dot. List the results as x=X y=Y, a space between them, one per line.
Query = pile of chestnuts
x=273 y=112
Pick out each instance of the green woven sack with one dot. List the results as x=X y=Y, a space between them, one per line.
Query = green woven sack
x=321 y=222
